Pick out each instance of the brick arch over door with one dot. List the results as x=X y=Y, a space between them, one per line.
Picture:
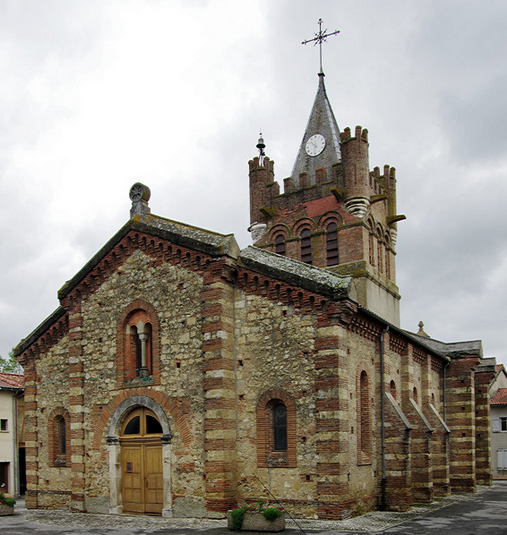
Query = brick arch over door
x=133 y=402
x=266 y=454
x=109 y=417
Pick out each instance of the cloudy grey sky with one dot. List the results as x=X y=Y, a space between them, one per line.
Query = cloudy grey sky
x=98 y=94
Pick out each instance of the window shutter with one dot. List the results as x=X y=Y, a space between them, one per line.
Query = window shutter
x=501 y=460
x=496 y=425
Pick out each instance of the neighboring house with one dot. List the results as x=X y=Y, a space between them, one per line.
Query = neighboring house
x=181 y=375
x=12 y=466
x=498 y=405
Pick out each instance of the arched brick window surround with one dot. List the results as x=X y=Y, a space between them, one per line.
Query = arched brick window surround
x=59 y=437
x=364 y=418
x=279 y=229
x=126 y=356
x=132 y=403
x=267 y=456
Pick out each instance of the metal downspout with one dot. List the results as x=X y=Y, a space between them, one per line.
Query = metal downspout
x=15 y=468
x=448 y=363
x=383 y=501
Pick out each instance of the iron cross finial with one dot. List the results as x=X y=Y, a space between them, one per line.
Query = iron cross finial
x=320 y=38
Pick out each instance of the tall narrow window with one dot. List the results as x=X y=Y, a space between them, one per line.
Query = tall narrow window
x=280 y=244
x=62 y=436
x=332 y=245
x=380 y=262
x=139 y=353
x=58 y=436
x=138 y=345
x=371 y=250
x=388 y=266
x=280 y=427
x=501 y=459
x=306 y=246
x=364 y=417
x=276 y=430
x=392 y=389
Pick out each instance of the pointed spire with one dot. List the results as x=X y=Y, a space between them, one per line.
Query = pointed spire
x=320 y=146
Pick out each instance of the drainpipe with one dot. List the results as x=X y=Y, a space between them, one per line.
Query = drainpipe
x=447 y=364
x=15 y=467
x=383 y=504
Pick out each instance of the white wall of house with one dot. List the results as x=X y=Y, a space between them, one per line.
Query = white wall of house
x=8 y=449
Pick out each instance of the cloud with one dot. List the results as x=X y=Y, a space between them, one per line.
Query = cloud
x=98 y=95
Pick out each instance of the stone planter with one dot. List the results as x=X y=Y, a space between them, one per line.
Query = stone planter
x=255 y=521
x=6 y=509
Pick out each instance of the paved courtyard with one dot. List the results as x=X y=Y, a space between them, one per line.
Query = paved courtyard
x=484 y=513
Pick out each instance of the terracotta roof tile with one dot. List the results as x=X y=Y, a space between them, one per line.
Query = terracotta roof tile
x=500 y=398
x=11 y=380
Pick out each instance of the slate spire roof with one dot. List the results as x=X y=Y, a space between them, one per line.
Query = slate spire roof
x=322 y=121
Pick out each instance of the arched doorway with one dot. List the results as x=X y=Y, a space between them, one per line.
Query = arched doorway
x=141 y=463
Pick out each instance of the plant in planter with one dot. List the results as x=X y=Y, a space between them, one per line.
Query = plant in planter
x=257 y=518
x=6 y=505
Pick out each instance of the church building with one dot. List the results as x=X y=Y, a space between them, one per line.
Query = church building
x=182 y=376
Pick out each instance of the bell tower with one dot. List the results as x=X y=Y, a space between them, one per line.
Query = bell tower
x=334 y=212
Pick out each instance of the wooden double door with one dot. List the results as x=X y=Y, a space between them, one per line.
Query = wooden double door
x=142 y=477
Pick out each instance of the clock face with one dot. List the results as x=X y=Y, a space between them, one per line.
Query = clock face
x=315 y=145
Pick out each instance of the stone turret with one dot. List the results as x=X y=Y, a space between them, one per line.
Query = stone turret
x=355 y=163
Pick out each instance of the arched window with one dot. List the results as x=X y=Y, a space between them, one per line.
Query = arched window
x=415 y=395
x=364 y=439
x=280 y=426
x=380 y=252
x=332 y=244
x=141 y=422
x=138 y=345
x=392 y=389
x=280 y=244
x=276 y=430
x=59 y=436
x=306 y=246
x=371 y=241
x=387 y=256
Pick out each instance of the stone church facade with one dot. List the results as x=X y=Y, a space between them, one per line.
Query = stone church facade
x=182 y=376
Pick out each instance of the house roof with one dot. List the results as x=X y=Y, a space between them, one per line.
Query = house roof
x=500 y=398
x=11 y=381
